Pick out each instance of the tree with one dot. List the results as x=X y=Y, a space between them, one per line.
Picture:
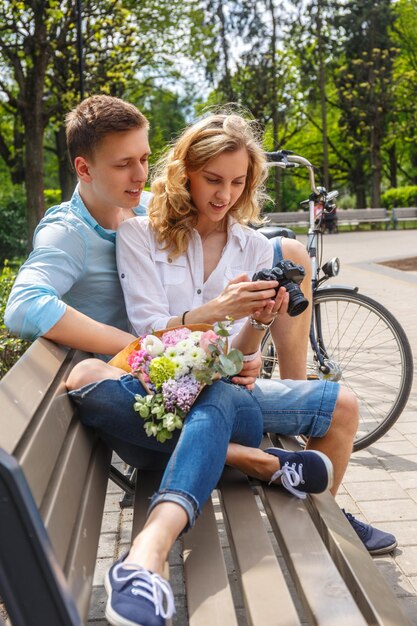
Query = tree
x=365 y=96
x=40 y=80
x=402 y=154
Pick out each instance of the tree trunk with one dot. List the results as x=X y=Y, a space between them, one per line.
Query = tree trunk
x=67 y=178
x=323 y=102
x=34 y=120
x=376 y=166
x=359 y=182
x=35 y=203
x=413 y=160
x=274 y=106
x=393 y=166
x=227 y=83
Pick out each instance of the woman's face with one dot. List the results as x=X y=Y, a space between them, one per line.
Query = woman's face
x=217 y=186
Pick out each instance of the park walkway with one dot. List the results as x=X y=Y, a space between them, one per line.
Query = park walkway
x=380 y=485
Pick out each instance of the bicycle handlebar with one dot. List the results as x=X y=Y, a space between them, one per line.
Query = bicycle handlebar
x=287 y=159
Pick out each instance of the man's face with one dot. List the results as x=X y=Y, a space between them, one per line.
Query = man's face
x=117 y=172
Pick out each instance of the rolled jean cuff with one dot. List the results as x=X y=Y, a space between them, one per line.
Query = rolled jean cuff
x=185 y=500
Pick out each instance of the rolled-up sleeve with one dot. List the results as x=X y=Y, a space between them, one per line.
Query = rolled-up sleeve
x=35 y=303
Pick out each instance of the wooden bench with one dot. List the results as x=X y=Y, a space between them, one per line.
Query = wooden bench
x=356 y=217
x=294 y=561
x=289 y=218
x=403 y=214
x=345 y=217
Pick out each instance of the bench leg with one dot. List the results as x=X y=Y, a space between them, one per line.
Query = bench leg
x=123 y=481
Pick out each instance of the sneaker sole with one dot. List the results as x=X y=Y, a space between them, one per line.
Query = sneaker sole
x=384 y=550
x=329 y=468
x=112 y=617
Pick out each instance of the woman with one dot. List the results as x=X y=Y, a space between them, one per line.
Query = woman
x=191 y=261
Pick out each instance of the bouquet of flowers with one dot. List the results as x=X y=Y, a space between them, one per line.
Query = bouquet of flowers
x=174 y=365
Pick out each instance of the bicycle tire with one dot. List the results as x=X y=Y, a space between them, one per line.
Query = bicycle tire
x=369 y=351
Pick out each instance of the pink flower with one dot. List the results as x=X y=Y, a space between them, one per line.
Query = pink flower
x=172 y=337
x=207 y=338
x=138 y=359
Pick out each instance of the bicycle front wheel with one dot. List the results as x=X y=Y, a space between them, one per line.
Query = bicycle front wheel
x=366 y=350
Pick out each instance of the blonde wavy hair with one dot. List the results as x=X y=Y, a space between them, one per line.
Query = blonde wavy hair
x=171 y=211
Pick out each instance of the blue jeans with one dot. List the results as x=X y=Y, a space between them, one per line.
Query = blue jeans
x=223 y=412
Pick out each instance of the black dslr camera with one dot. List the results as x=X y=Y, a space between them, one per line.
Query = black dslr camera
x=288 y=275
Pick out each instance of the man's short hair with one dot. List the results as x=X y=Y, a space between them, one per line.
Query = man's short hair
x=94 y=118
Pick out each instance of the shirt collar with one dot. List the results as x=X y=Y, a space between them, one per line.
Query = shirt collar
x=106 y=233
x=238 y=231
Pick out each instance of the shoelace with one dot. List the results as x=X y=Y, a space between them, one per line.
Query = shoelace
x=357 y=525
x=150 y=586
x=291 y=478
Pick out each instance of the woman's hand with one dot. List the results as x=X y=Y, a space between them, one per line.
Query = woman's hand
x=273 y=308
x=243 y=297
x=249 y=372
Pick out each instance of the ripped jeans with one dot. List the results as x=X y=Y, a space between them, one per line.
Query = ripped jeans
x=194 y=458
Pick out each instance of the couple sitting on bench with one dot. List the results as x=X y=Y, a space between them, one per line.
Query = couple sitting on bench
x=188 y=261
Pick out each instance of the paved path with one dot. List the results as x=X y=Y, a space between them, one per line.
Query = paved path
x=380 y=484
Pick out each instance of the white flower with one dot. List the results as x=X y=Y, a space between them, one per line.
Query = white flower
x=195 y=336
x=171 y=352
x=197 y=357
x=184 y=346
x=181 y=366
x=153 y=345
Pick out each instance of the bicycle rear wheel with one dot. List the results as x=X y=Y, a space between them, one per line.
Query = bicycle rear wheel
x=366 y=350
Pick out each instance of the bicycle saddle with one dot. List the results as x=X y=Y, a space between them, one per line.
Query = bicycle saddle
x=276 y=231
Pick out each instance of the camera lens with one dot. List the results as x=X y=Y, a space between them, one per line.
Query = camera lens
x=297 y=303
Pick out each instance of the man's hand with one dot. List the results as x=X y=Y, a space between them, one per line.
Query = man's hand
x=249 y=373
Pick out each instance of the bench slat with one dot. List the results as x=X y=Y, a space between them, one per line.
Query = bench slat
x=61 y=506
x=147 y=483
x=209 y=597
x=264 y=587
x=23 y=389
x=82 y=553
x=44 y=440
x=371 y=591
x=326 y=598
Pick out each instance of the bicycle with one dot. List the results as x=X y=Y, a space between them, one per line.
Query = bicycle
x=353 y=339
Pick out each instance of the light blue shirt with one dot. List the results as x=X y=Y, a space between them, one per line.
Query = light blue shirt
x=73 y=262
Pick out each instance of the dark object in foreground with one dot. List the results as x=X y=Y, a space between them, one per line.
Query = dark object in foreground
x=288 y=275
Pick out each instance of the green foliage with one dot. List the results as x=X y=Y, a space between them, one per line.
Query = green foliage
x=52 y=197
x=11 y=348
x=400 y=197
x=13 y=228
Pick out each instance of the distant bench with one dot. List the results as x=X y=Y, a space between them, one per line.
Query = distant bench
x=356 y=217
x=403 y=214
x=289 y=218
x=345 y=217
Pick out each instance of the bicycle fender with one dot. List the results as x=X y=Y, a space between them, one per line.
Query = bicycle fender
x=337 y=286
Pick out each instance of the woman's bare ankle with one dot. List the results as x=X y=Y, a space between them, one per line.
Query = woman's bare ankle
x=252 y=461
x=147 y=553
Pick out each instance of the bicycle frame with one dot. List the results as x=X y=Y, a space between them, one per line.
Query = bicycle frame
x=318 y=195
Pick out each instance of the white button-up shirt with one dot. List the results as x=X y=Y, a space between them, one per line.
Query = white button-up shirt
x=158 y=287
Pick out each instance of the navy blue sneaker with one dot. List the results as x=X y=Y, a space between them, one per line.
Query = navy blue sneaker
x=137 y=597
x=375 y=541
x=304 y=472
